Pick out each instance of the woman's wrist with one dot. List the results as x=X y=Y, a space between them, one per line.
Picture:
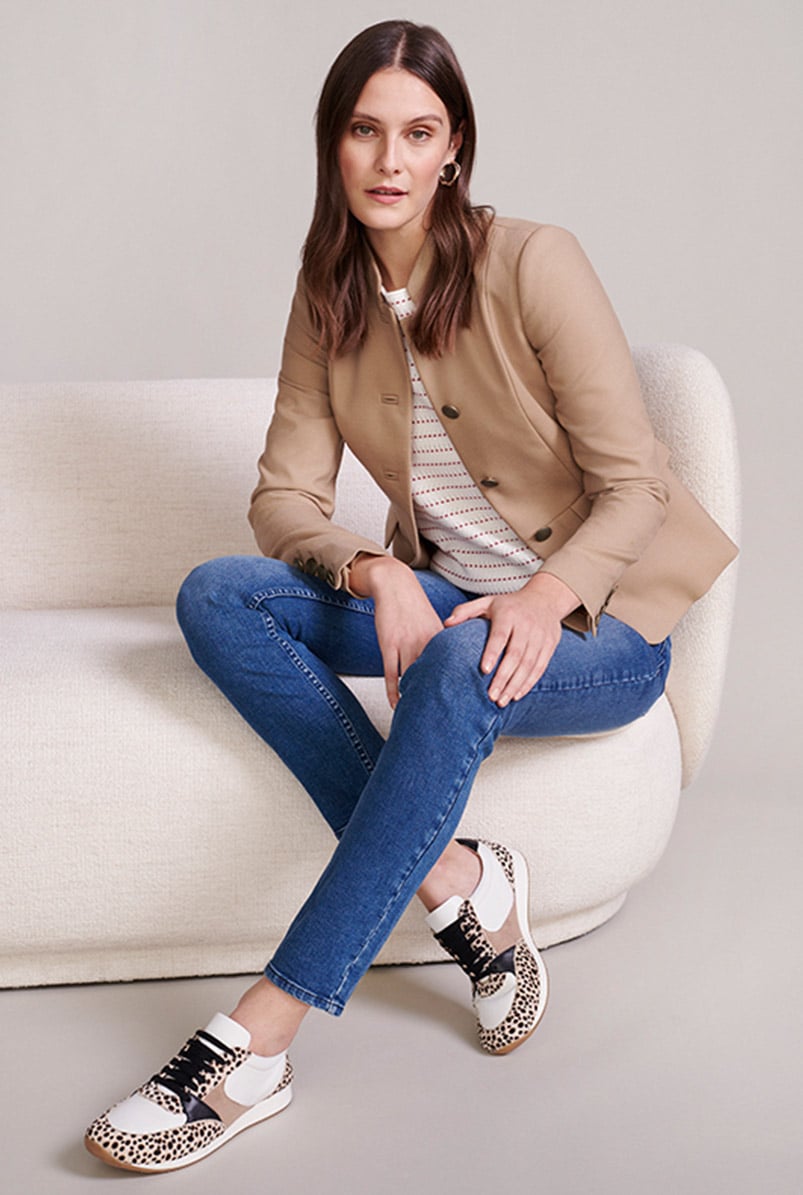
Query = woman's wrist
x=367 y=572
x=556 y=594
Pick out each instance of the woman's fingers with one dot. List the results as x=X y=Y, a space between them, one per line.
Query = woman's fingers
x=498 y=646
x=501 y=615
x=400 y=648
x=391 y=665
x=404 y=619
x=521 y=641
x=520 y=644
x=476 y=608
x=482 y=608
x=515 y=662
x=518 y=672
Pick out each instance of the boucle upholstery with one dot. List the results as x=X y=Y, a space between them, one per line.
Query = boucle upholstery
x=147 y=831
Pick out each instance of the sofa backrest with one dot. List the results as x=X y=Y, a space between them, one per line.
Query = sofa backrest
x=692 y=413
x=110 y=492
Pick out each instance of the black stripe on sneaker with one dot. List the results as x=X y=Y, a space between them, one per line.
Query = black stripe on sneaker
x=195 y=1109
x=503 y=962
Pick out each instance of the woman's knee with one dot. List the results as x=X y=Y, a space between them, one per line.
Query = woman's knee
x=451 y=659
x=203 y=585
x=218 y=586
x=200 y=593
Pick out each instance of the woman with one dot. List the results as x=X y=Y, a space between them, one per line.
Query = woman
x=542 y=553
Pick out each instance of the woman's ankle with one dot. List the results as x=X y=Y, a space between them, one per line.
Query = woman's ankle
x=270 y=1015
x=457 y=873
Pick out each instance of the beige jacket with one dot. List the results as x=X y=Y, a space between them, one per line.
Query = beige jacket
x=541 y=400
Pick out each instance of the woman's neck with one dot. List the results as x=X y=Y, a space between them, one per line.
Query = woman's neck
x=396 y=254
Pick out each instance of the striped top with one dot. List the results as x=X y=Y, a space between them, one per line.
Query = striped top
x=474 y=547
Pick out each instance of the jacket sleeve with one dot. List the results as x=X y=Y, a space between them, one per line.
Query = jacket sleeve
x=292 y=505
x=586 y=359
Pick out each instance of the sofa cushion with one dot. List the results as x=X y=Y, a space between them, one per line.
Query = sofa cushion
x=148 y=831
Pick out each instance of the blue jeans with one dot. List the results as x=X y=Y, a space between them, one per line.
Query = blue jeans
x=274 y=640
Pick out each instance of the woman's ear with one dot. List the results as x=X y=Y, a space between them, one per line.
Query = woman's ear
x=457 y=139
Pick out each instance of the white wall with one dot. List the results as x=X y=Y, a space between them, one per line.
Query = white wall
x=156 y=181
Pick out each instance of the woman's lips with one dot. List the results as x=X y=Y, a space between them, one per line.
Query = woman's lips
x=386 y=194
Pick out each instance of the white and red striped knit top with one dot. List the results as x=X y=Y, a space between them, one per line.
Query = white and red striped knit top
x=475 y=548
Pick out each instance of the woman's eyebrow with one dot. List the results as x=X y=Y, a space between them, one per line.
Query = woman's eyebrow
x=427 y=117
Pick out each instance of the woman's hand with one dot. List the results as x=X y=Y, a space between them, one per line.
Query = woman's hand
x=405 y=619
x=525 y=630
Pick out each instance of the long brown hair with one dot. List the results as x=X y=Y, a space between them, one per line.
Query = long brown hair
x=336 y=259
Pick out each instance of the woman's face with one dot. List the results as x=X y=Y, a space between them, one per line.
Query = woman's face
x=396 y=143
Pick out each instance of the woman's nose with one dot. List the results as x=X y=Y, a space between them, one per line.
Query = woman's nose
x=388 y=157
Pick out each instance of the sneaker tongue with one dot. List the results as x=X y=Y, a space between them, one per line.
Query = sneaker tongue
x=230 y=1032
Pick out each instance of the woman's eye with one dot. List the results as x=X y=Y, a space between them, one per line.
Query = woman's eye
x=362 y=130
x=420 y=135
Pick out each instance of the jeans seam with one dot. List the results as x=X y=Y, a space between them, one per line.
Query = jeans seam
x=644 y=678
x=330 y=699
x=357 y=605
x=457 y=787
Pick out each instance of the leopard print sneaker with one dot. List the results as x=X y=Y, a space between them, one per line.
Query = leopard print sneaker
x=212 y=1090
x=510 y=988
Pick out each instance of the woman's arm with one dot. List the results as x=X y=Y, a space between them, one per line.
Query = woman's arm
x=293 y=502
x=292 y=505
x=580 y=345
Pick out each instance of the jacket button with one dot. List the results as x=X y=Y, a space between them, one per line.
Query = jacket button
x=542 y=533
x=490 y=483
x=451 y=412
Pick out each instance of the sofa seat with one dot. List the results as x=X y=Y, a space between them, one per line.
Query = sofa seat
x=154 y=834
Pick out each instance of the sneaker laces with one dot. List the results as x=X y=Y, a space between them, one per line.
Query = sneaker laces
x=478 y=943
x=197 y=1060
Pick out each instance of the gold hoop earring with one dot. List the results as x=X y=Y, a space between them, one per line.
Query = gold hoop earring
x=449 y=179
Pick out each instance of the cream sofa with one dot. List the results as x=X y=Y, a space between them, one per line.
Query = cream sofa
x=146 y=830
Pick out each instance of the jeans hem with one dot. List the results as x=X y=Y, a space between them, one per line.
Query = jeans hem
x=325 y=1003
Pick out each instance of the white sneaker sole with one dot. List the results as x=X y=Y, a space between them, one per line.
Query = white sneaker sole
x=522 y=890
